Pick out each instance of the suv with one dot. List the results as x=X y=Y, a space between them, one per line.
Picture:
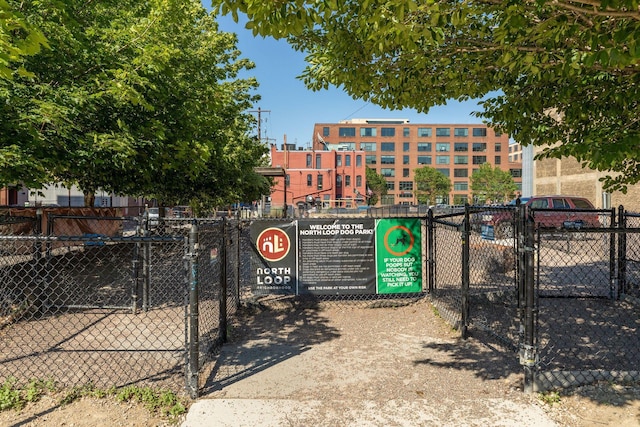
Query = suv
x=549 y=211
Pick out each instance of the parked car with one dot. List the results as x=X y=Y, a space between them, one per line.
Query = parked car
x=555 y=211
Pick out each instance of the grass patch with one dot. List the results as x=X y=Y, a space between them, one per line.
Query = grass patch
x=162 y=402
x=14 y=397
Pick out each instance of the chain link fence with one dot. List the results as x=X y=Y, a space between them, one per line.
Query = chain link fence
x=69 y=311
x=117 y=300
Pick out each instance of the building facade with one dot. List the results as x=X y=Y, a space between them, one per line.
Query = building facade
x=567 y=176
x=396 y=148
x=318 y=179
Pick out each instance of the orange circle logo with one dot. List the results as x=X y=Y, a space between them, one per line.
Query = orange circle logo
x=398 y=240
x=273 y=244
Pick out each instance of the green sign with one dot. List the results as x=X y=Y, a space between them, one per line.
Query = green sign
x=399 y=255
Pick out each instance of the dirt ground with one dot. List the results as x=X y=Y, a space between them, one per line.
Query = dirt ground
x=346 y=354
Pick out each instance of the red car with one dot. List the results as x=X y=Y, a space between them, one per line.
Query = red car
x=548 y=211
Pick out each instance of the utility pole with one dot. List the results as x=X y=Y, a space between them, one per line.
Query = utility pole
x=259 y=111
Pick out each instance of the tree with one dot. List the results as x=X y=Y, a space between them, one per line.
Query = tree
x=430 y=184
x=376 y=186
x=492 y=184
x=17 y=40
x=133 y=97
x=549 y=70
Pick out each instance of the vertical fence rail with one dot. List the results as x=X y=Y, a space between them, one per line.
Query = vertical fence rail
x=465 y=235
x=622 y=251
x=194 y=310
x=528 y=352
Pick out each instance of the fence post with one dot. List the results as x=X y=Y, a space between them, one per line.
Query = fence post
x=431 y=262
x=239 y=270
x=528 y=350
x=622 y=251
x=521 y=266
x=193 y=365
x=614 y=285
x=223 y=283
x=466 y=232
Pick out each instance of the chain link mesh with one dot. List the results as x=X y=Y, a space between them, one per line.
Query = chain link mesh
x=68 y=311
x=106 y=299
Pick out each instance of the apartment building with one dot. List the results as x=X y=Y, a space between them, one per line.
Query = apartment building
x=395 y=148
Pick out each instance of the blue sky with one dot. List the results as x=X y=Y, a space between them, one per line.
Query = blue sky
x=291 y=109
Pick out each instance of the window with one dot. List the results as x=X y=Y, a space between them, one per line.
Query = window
x=479 y=147
x=516 y=173
x=560 y=204
x=388 y=160
x=424 y=146
x=405 y=147
x=388 y=146
x=338 y=160
x=405 y=160
x=498 y=147
x=388 y=172
x=460 y=160
x=406 y=185
x=460 y=146
x=539 y=204
x=479 y=160
x=346 y=146
x=388 y=132
x=442 y=146
x=318 y=161
x=461 y=173
x=479 y=131
x=309 y=180
x=370 y=159
x=424 y=160
x=461 y=132
x=358 y=180
x=358 y=160
x=497 y=160
x=368 y=132
x=405 y=172
x=442 y=160
x=391 y=185
x=319 y=182
x=347 y=159
x=405 y=132
x=387 y=199
x=339 y=181
x=346 y=131
x=368 y=146
x=325 y=131
x=347 y=180
x=309 y=160
x=444 y=172
x=460 y=186
x=405 y=195
x=424 y=132
x=497 y=132
x=443 y=132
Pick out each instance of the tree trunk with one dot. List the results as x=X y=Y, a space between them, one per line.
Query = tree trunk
x=89 y=200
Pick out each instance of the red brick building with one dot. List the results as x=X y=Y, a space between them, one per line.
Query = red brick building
x=320 y=177
x=394 y=148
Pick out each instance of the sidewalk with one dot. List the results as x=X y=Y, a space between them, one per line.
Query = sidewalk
x=344 y=366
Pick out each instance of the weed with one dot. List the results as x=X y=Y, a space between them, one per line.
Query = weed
x=550 y=397
x=10 y=396
x=165 y=403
